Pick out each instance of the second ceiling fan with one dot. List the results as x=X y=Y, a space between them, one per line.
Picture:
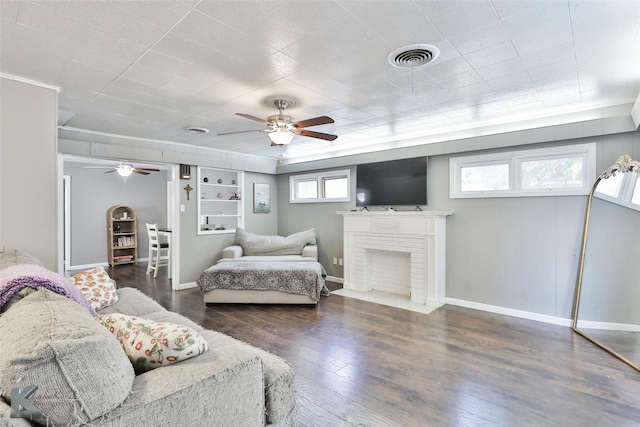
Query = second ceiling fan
x=281 y=128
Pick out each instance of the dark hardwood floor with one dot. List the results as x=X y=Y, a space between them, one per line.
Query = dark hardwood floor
x=363 y=364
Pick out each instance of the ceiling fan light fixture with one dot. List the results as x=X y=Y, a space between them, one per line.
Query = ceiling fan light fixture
x=125 y=170
x=280 y=136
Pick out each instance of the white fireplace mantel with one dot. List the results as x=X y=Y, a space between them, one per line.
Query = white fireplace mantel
x=421 y=235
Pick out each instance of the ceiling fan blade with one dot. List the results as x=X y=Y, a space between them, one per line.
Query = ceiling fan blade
x=319 y=135
x=322 y=120
x=111 y=171
x=147 y=169
x=141 y=172
x=98 y=167
x=257 y=119
x=241 y=131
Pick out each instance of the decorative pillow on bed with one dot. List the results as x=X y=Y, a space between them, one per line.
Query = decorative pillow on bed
x=97 y=287
x=150 y=344
x=256 y=244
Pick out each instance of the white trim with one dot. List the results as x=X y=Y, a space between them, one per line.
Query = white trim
x=30 y=82
x=623 y=327
x=66 y=181
x=514 y=160
x=158 y=141
x=335 y=279
x=187 y=285
x=318 y=179
x=87 y=266
x=510 y=312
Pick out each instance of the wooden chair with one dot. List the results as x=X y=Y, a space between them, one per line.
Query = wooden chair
x=155 y=251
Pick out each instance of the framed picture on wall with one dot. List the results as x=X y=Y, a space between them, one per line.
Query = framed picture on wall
x=261 y=198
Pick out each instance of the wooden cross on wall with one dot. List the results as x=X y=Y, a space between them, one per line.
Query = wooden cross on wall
x=188 y=188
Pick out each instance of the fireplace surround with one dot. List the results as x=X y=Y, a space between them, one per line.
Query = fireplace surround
x=397 y=252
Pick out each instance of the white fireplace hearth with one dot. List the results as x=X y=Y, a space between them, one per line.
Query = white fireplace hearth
x=397 y=254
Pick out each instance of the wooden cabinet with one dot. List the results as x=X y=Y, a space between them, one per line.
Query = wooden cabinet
x=220 y=200
x=122 y=235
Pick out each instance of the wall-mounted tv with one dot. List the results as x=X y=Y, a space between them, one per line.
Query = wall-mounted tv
x=401 y=182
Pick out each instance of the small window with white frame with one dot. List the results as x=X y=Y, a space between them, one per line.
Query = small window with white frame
x=552 y=171
x=329 y=186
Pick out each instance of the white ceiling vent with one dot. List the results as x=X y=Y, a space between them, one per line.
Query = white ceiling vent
x=413 y=55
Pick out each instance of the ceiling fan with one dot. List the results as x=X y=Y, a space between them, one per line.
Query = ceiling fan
x=124 y=169
x=281 y=128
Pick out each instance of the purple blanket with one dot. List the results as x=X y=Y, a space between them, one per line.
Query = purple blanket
x=17 y=277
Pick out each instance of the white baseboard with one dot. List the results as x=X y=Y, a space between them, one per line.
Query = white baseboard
x=187 y=285
x=510 y=312
x=335 y=279
x=620 y=327
x=87 y=266
x=105 y=264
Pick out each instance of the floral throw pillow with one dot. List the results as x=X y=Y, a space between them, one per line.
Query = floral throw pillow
x=150 y=344
x=97 y=287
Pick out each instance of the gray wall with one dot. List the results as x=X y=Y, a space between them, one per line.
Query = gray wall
x=517 y=253
x=93 y=192
x=322 y=217
x=28 y=170
x=199 y=252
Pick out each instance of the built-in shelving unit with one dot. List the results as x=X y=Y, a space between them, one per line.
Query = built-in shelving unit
x=220 y=200
x=122 y=235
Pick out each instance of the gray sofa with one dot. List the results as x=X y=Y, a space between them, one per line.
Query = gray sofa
x=53 y=342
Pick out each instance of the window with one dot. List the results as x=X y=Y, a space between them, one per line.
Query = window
x=567 y=170
x=332 y=186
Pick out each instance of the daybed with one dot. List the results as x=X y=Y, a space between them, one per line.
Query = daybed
x=84 y=377
x=259 y=269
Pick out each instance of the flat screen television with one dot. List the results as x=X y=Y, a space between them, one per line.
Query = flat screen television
x=401 y=182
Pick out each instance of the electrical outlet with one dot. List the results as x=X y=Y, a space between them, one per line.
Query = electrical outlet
x=335 y=261
x=182 y=209
x=340 y=261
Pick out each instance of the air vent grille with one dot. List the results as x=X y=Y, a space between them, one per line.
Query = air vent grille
x=412 y=56
x=197 y=130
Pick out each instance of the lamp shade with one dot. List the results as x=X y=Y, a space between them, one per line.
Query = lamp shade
x=280 y=137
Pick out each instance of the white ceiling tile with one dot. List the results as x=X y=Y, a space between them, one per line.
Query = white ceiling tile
x=113 y=64
x=128 y=26
x=503 y=69
x=509 y=82
x=499 y=60
x=147 y=75
x=480 y=38
x=47 y=20
x=545 y=24
x=9 y=10
x=89 y=13
x=443 y=68
x=244 y=14
x=459 y=80
x=188 y=87
x=113 y=44
x=162 y=13
x=160 y=61
x=558 y=53
x=492 y=55
x=455 y=18
x=381 y=17
x=558 y=74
